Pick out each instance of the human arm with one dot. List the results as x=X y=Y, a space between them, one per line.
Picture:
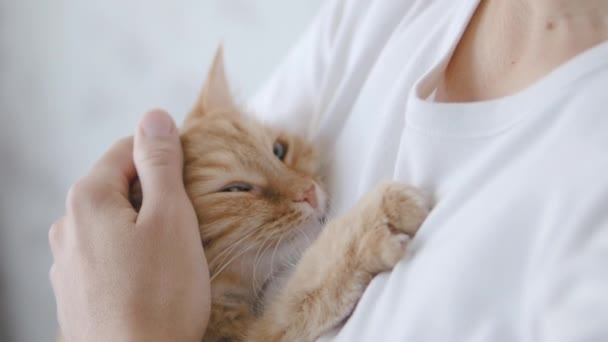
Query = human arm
x=119 y=275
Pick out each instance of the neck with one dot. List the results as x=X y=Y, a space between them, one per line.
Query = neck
x=571 y=26
x=559 y=9
x=509 y=44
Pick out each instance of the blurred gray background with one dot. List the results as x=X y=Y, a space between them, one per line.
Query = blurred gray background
x=77 y=75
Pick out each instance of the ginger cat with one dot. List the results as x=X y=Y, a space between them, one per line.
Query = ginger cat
x=278 y=273
x=260 y=205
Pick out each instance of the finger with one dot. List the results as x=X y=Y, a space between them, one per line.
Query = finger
x=116 y=168
x=53 y=276
x=55 y=236
x=158 y=157
x=107 y=182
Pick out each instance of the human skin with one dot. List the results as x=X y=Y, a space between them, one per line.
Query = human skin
x=119 y=275
x=509 y=45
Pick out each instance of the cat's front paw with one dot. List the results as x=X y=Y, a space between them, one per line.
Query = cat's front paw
x=392 y=214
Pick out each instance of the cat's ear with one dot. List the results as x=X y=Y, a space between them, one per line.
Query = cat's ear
x=216 y=94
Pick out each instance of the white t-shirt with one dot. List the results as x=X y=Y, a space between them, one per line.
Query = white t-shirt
x=516 y=247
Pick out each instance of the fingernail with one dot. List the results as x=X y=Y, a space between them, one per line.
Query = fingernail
x=157 y=123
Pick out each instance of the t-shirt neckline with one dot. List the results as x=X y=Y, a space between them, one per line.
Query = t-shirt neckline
x=490 y=117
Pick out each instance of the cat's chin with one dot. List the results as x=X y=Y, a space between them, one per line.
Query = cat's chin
x=288 y=255
x=316 y=216
x=278 y=264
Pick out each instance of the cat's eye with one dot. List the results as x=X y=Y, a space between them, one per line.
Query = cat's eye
x=279 y=149
x=241 y=187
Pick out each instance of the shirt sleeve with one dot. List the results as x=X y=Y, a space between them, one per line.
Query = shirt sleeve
x=291 y=98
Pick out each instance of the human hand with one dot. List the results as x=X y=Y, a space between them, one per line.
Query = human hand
x=119 y=275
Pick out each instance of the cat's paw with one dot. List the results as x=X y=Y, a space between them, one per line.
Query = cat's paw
x=392 y=214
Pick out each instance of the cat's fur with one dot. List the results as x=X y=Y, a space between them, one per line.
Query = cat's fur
x=254 y=239
x=269 y=281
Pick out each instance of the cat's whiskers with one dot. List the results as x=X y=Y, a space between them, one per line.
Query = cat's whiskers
x=290 y=263
x=326 y=210
x=226 y=252
x=292 y=258
x=227 y=161
x=282 y=222
x=255 y=262
x=229 y=262
x=256 y=287
x=302 y=232
x=273 y=255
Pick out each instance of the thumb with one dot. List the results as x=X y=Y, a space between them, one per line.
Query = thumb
x=157 y=152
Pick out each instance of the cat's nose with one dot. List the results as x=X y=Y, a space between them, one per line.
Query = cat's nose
x=310 y=196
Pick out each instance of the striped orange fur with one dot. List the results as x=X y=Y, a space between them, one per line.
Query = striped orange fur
x=260 y=205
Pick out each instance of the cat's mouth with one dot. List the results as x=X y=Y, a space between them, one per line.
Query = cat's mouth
x=320 y=212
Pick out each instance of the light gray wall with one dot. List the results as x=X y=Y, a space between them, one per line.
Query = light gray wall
x=75 y=76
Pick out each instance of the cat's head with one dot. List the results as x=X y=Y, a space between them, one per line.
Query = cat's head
x=255 y=189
